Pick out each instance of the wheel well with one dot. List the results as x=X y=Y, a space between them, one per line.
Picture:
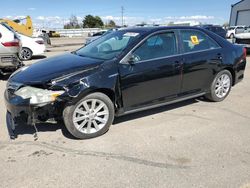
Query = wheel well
x=28 y=49
x=232 y=73
x=107 y=92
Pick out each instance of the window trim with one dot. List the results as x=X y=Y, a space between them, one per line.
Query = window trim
x=181 y=41
x=175 y=31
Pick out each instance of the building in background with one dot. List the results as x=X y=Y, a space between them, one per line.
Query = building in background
x=240 y=13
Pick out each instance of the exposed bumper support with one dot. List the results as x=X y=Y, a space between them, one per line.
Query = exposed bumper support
x=10 y=126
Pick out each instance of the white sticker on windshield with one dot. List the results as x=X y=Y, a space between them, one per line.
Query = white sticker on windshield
x=131 y=34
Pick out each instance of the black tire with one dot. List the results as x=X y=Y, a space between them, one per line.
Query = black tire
x=25 y=54
x=212 y=93
x=68 y=115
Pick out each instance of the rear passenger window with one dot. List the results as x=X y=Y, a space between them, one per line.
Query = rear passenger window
x=197 y=41
x=157 y=46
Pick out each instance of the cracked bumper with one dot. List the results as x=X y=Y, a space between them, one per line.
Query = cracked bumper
x=20 y=111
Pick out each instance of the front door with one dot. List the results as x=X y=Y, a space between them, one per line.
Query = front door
x=154 y=76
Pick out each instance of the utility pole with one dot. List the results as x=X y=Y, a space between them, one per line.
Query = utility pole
x=122 y=9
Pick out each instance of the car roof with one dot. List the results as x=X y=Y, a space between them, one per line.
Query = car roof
x=210 y=26
x=158 y=28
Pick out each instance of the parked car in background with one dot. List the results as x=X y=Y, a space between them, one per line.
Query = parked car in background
x=42 y=34
x=9 y=48
x=54 y=34
x=31 y=47
x=125 y=71
x=215 y=29
x=243 y=38
x=94 y=36
x=98 y=35
x=232 y=31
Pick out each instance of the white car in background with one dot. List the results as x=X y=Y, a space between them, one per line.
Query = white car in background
x=31 y=47
x=233 y=30
x=9 y=47
x=243 y=38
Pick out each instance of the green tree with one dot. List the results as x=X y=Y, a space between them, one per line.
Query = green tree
x=92 y=21
x=99 y=22
x=111 y=23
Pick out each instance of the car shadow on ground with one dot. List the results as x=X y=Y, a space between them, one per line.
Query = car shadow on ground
x=4 y=77
x=153 y=111
x=39 y=57
x=42 y=127
x=54 y=126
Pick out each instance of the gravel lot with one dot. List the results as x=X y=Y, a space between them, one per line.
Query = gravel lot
x=190 y=144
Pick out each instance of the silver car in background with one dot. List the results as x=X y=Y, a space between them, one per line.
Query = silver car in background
x=10 y=46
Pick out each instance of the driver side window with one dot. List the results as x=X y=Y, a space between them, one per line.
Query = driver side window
x=158 y=46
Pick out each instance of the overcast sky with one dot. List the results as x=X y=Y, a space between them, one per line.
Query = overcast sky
x=55 y=13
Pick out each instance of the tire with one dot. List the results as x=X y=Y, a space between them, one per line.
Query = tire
x=82 y=119
x=220 y=87
x=25 y=54
x=231 y=36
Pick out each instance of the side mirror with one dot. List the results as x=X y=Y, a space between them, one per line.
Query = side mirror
x=131 y=59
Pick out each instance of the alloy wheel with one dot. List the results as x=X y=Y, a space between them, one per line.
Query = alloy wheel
x=25 y=54
x=222 y=86
x=90 y=116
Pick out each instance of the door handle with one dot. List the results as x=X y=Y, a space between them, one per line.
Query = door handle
x=219 y=56
x=177 y=64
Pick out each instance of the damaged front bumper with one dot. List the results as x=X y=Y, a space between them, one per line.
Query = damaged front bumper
x=21 y=112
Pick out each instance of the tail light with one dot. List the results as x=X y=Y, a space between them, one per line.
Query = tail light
x=40 y=42
x=245 y=53
x=14 y=43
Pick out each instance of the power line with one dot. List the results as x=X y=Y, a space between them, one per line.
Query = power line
x=122 y=9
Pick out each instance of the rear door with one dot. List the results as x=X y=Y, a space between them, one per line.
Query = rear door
x=201 y=56
x=154 y=76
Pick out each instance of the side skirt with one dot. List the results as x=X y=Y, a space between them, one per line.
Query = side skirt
x=159 y=105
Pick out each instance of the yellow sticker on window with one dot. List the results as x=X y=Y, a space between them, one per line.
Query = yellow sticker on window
x=195 y=40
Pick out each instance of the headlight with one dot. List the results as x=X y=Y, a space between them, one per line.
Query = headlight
x=37 y=95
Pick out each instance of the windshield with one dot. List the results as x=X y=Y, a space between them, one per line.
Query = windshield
x=109 y=46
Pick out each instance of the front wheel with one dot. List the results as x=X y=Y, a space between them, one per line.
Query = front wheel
x=89 y=117
x=221 y=86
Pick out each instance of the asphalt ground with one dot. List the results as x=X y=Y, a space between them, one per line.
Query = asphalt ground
x=195 y=143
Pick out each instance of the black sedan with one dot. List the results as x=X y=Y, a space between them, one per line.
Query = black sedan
x=123 y=72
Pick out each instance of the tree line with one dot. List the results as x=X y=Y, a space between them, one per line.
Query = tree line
x=89 y=21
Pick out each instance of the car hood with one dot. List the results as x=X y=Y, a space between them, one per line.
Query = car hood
x=243 y=36
x=52 y=68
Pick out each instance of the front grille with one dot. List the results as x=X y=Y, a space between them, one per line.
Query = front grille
x=242 y=41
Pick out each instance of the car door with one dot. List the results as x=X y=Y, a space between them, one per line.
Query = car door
x=202 y=56
x=153 y=74
x=239 y=30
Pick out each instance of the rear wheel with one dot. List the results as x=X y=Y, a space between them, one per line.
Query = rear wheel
x=90 y=117
x=221 y=86
x=25 y=54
